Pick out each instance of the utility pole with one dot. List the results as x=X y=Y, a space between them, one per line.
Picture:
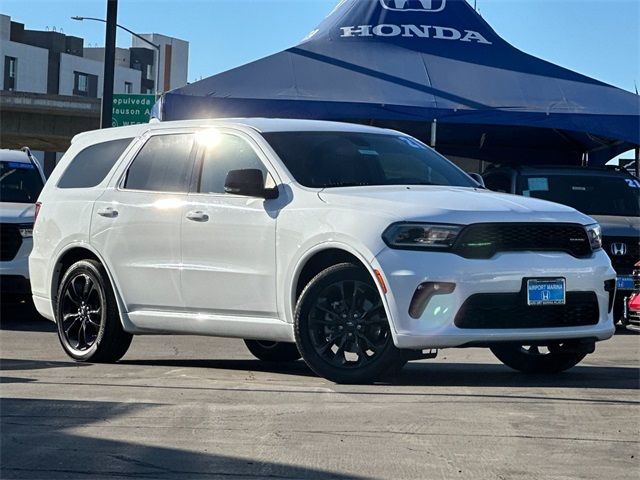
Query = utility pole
x=109 y=64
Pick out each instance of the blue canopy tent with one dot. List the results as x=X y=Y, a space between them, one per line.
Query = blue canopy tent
x=406 y=64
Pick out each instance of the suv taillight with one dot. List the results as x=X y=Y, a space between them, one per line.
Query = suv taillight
x=35 y=216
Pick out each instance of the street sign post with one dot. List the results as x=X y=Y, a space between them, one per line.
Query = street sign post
x=131 y=109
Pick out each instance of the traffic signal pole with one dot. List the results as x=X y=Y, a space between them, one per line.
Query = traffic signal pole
x=109 y=64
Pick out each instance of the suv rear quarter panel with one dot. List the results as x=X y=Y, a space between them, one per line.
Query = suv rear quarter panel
x=64 y=221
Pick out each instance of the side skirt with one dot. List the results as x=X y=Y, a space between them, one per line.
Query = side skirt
x=187 y=323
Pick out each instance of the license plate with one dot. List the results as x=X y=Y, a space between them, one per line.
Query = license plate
x=625 y=283
x=546 y=291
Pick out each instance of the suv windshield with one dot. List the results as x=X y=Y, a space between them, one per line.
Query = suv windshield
x=348 y=159
x=597 y=194
x=19 y=182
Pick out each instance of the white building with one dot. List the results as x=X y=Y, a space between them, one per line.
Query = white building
x=22 y=64
x=58 y=64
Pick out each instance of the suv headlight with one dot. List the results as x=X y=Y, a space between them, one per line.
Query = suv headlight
x=594 y=232
x=26 y=230
x=421 y=236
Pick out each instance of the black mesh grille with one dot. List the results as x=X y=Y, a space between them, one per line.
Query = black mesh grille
x=510 y=310
x=10 y=241
x=623 y=264
x=486 y=239
x=636 y=279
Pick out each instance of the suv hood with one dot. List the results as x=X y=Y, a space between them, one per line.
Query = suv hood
x=17 y=212
x=455 y=205
x=619 y=226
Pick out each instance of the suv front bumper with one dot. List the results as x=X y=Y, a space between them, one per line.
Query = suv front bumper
x=404 y=270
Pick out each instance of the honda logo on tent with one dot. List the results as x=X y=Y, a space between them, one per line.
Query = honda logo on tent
x=414 y=5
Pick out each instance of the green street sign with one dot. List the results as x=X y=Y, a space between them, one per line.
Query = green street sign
x=131 y=109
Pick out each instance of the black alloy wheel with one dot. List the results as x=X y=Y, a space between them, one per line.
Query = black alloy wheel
x=87 y=316
x=342 y=329
x=554 y=358
x=82 y=312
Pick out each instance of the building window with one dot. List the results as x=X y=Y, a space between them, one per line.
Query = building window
x=85 y=84
x=81 y=83
x=10 y=73
x=128 y=87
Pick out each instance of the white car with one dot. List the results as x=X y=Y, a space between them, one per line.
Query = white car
x=354 y=247
x=21 y=180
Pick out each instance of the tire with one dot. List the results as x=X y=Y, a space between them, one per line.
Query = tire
x=529 y=359
x=273 y=351
x=341 y=327
x=87 y=318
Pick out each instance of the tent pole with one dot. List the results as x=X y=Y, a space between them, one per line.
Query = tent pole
x=434 y=132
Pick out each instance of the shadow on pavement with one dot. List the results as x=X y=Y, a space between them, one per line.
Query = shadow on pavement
x=298 y=368
x=490 y=375
x=7 y=364
x=427 y=374
x=23 y=317
x=39 y=441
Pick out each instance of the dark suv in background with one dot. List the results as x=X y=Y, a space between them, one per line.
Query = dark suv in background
x=610 y=195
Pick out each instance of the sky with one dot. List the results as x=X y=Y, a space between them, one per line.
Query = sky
x=600 y=38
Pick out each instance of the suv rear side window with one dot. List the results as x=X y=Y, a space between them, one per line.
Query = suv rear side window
x=91 y=165
x=163 y=165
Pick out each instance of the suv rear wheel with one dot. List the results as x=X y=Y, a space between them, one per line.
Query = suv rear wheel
x=87 y=316
x=273 y=351
x=341 y=327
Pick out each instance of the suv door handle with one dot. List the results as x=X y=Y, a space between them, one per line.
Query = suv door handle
x=108 y=212
x=198 y=216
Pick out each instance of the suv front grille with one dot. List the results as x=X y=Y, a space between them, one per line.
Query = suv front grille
x=10 y=241
x=510 y=310
x=623 y=264
x=484 y=240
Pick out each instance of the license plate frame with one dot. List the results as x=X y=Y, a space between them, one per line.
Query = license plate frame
x=543 y=292
x=624 y=282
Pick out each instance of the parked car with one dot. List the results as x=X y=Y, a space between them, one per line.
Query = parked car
x=21 y=180
x=632 y=311
x=354 y=247
x=609 y=195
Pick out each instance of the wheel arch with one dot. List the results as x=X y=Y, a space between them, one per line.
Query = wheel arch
x=74 y=253
x=323 y=256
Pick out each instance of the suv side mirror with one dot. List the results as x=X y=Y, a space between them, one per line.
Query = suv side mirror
x=478 y=178
x=248 y=182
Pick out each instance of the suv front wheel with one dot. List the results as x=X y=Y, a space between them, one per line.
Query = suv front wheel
x=87 y=316
x=341 y=327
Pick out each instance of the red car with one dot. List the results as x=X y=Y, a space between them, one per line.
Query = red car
x=632 y=311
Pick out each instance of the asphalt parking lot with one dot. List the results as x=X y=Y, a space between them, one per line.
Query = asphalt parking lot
x=193 y=407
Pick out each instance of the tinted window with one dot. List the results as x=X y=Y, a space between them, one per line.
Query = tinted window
x=345 y=159
x=19 y=182
x=91 y=165
x=590 y=194
x=498 y=182
x=229 y=153
x=163 y=165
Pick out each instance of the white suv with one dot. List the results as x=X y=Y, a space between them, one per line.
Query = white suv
x=21 y=180
x=354 y=247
